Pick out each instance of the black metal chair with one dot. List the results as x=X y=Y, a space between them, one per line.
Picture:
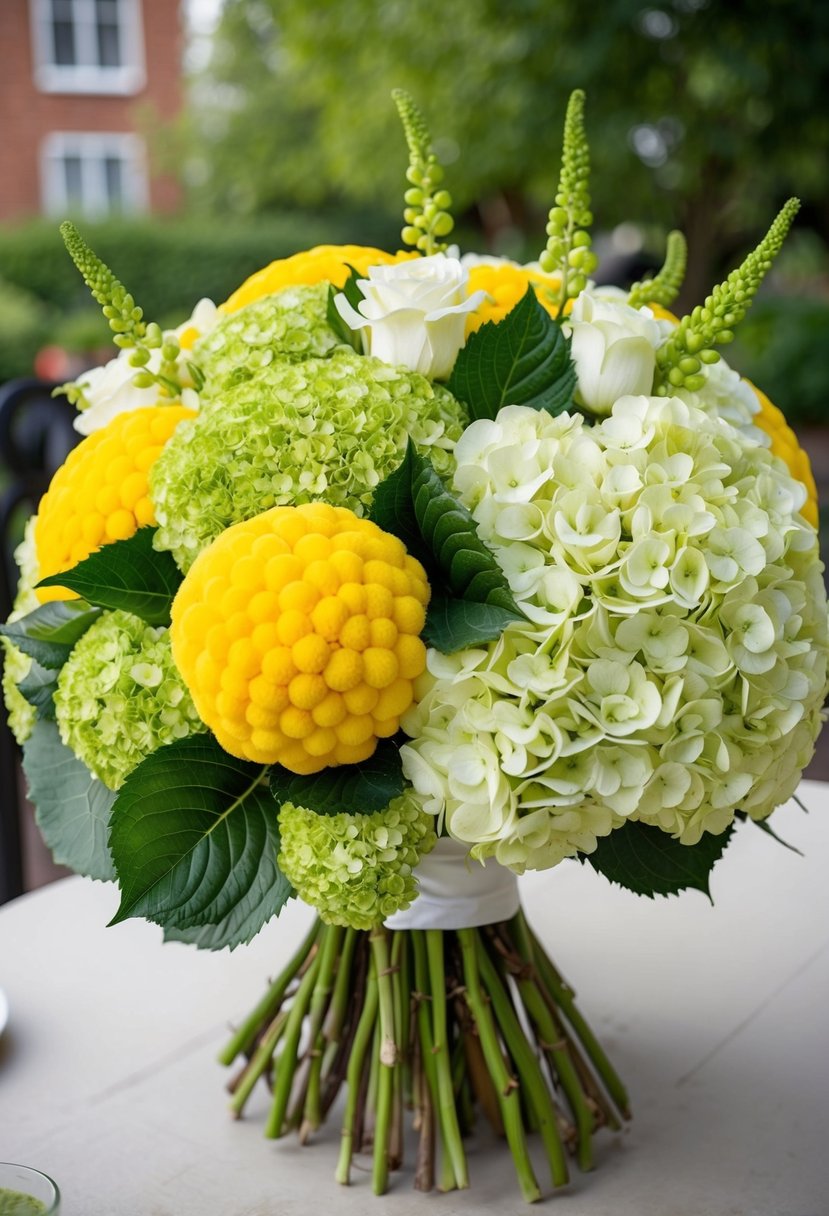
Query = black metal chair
x=36 y=435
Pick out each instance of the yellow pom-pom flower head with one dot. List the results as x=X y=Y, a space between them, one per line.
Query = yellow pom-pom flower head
x=296 y=633
x=101 y=492
x=784 y=444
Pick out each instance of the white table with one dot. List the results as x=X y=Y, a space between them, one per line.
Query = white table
x=717 y=1017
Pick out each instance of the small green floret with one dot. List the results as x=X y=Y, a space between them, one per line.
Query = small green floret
x=356 y=870
x=288 y=326
x=120 y=697
x=323 y=429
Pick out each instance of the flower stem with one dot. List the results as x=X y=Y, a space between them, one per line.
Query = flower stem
x=260 y=1061
x=563 y=995
x=244 y=1036
x=356 y=1062
x=330 y=949
x=505 y=1085
x=286 y=1064
x=427 y=1053
x=448 y=1113
x=380 y=951
x=532 y=1080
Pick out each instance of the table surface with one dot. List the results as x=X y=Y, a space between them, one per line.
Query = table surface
x=716 y=1016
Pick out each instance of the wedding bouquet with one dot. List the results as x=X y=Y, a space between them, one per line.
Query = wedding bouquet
x=386 y=580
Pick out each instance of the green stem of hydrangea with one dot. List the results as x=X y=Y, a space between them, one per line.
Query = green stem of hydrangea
x=340 y=1000
x=505 y=1085
x=259 y=1062
x=382 y=961
x=354 y=1073
x=554 y=1045
x=330 y=949
x=244 y=1036
x=447 y=1111
x=563 y=996
x=423 y=996
x=286 y=1064
x=399 y=951
x=532 y=1081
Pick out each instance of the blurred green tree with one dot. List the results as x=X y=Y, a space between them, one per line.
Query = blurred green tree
x=703 y=114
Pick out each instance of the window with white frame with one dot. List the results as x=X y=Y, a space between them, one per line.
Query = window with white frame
x=88 y=46
x=93 y=174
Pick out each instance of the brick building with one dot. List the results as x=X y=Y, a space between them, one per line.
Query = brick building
x=74 y=76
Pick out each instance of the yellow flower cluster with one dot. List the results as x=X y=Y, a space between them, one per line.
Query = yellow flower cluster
x=785 y=445
x=506 y=284
x=323 y=263
x=296 y=633
x=101 y=491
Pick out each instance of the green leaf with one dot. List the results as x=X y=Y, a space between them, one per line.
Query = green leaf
x=350 y=788
x=49 y=633
x=648 y=861
x=38 y=687
x=194 y=838
x=414 y=504
x=522 y=360
x=128 y=574
x=453 y=624
x=765 y=826
x=354 y=296
x=72 y=807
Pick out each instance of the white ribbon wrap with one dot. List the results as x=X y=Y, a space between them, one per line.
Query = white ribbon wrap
x=458 y=893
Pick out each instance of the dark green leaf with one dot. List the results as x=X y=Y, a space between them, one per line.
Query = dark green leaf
x=765 y=826
x=522 y=360
x=49 y=633
x=38 y=687
x=648 y=861
x=72 y=807
x=352 y=788
x=339 y=325
x=128 y=574
x=453 y=624
x=195 y=838
x=415 y=505
x=393 y=509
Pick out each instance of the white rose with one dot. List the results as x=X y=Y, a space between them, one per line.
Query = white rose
x=415 y=313
x=614 y=350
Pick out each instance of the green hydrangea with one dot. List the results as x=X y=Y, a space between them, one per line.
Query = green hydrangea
x=286 y=327
x=120 y=697
x=327 y=429
x=356 y=870
x=16 y=665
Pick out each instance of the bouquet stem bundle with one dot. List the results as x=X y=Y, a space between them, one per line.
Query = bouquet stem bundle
x=439 y=1023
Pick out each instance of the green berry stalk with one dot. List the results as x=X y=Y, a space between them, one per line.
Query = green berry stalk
x=427 y=213
x=680 y=362
x=568 y=250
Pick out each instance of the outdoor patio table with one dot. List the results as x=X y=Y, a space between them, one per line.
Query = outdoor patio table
x=716 y=1017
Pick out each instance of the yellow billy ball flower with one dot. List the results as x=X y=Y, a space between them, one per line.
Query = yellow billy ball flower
x=296 y=633
x=506 y=284
x=328 y=263
x=101 y=491
x=785 y=445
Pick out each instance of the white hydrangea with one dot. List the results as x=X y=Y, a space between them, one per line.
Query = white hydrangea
x=673 y=664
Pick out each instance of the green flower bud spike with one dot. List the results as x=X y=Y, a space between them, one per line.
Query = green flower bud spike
x=126 y=320
x=664 y=287
x=568 y=250
x=427 y=216
x=679 y=363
